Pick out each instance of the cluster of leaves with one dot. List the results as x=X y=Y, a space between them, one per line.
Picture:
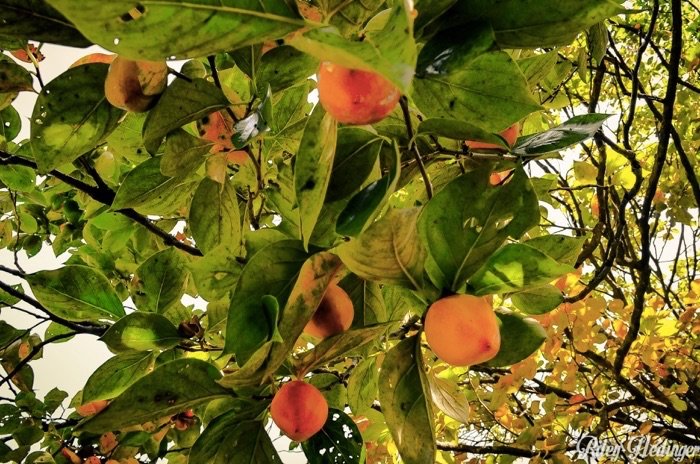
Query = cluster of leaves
x=400 y=213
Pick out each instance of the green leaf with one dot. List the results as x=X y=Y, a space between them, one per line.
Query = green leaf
x=520 y=337
x=20 y=178
x=181 y=103
x=232 y=438
x=36 y=20
x=13 y=77
x=117 y=374
x=179 y=29
x=458 y=130
x=365 y=205
x=338 y=441
x=10 y=124
x=388 y=251
x=216 y=273
x=161 y=281
x=184 y=153
x=283 y=67
x=572 y=132
x=537 y=67
x=355 y=157
x=391 y=51
x=469 y=219
x=156 y=395
x=473 y=84
x=54 y=329
x=271 y=271
x=141 y=331
x=314 y=277
x=71 y=116
x=561 y=248
x=537 y=300
x=363 y=385
x=9 y=334
x=214 y=216
x=367 y=300
x=76 y=293
x=150 y=192
x=337 y=346
x=402 y=394
x=516 y=266
x=534 y=23
x=53 y=399
x=312 y=171
x=449 y=399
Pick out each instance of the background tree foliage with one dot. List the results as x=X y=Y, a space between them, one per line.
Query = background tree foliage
x=401 y=212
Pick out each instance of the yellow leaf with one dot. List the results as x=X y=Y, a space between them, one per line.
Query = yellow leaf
x=645 y=427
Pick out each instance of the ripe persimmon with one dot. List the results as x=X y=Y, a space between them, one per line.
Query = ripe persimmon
x=462 y=330
x=333 y=315
x=355 y=96
x=299 y=410
x=133 y=85
x=510 y=135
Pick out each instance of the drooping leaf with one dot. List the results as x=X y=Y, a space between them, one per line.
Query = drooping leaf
x=388 y=251
x=71 y=116
x=338 y=345
x=217 y=272
x=537 y=300
x=314 y=277
x=283 y=67
x=36 y=20
x=181 y=103
x=449 y=399
x=234 y=439
x=367 y=301
x=365 y=205
x=148 y=191
x=13 y=77
x=390 y=51
x=460 y=78
x=571 y=132
x=561 y=248
x=458 y=130
x=516 y=266
x=469 y=219
x=10 y=124
x=161 y=281
x=355 y=156
x=338 y=441
x=402 y=393
x=312 y=172
x=520 y=337
x=542 y=26
x=141 y=331
x=117 y=374
x=363 y=385
x=19 y=178
x=179 y=29
x=156 y=395
x=271 y=271
x=184 y=153
x=76 y=293
x=214 y=216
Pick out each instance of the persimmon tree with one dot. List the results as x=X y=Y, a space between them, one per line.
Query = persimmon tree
x=234 y=188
